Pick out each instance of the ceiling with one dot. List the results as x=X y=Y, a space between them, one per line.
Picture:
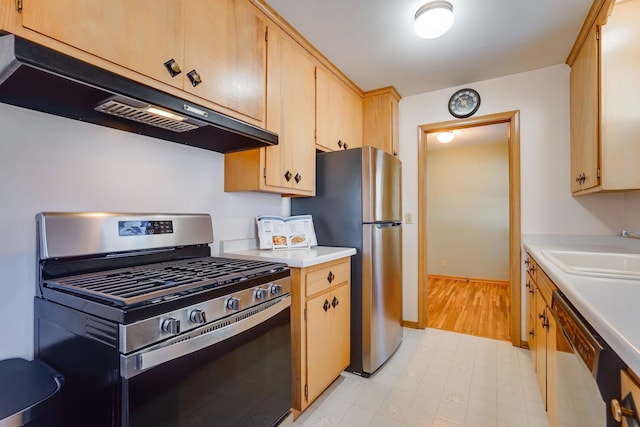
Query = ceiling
x=373 y=43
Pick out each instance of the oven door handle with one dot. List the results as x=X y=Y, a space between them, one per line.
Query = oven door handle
x=136 y=363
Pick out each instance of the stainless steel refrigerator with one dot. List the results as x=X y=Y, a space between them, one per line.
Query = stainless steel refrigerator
x=358 y=204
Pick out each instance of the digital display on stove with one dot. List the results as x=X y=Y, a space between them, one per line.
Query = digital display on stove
x=143 y=228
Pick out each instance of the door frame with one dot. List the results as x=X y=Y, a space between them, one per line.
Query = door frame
x=512 y=118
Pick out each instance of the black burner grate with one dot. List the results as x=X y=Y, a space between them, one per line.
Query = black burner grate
x=134 y=285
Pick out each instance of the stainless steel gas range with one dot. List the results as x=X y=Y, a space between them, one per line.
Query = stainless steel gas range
x=149 y=330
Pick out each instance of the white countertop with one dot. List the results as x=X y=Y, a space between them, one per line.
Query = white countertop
x=611 y=306
x=304 y=257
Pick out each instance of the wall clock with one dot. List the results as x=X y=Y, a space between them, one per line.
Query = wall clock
x=464 y=103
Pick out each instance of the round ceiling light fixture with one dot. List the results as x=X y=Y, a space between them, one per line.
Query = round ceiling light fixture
x=445 y=137
x=433 y=19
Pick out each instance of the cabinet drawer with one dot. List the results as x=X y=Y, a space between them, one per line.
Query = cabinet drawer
x=327 y=276
x=532 y=267
x=545 y=286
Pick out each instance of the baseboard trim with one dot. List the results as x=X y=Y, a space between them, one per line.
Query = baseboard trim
x=470 y=279
x=410 y=324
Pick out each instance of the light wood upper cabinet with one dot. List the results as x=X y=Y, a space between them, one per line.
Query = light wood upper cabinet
x=289 y=167
x=137 y=34
x=605 y=63
x=380 y=119
x=338 y=113
x=225 y=44
x=585 y=129
x=215 y=50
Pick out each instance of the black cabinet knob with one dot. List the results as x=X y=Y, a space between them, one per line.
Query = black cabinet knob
x=298 y=178
x=172 y=67
x=335 y=302
x=326 y=305
x=330 y=277
x=194 y=78
x=287 y=176
x=340 y=143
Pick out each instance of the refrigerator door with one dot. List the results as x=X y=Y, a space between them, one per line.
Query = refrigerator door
x=381 y=293
x=381 y=184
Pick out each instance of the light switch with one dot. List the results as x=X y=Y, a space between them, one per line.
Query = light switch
x=408 y=218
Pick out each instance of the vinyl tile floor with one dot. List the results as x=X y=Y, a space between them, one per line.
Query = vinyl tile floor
x=437 y=379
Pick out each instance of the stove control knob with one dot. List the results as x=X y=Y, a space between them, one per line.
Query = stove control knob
x=170 y=325
x=275 y=289
x=233 y=303
x=198 y=316
x=260 y=294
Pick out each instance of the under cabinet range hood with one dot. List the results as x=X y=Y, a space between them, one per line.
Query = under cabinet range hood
x=36 y=77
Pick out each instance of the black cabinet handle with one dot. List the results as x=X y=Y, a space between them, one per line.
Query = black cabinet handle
x=330 y=277
x=345 y=146
x=287 y=176
x=580 y=179
x=194 y=78
x=531 y=332
x=340 y=143
x=298 y=178
x=335 y=302
x=326 y=305
x=172 y=67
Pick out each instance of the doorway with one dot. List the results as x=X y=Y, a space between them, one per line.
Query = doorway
x=511 y=120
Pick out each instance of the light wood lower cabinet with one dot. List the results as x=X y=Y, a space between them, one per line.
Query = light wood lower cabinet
x=542 y=336
x=320 y=319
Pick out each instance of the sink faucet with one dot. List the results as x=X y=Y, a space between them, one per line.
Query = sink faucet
x=626 y=233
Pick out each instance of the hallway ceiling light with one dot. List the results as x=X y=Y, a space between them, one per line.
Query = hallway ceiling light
x=445 y=137
x=433 y=19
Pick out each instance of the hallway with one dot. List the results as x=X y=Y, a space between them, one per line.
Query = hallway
x=479 y=308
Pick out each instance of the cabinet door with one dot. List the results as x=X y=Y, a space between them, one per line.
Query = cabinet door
x=352 y=118
x=541 y=345
x=620 y=123
x=290 y=114
x=338 y=113
x=341 y=327
x=395 y=129
x=320 y=364
x=225 y=45
x=138 y=34
x=380 y=122
x=531 y=316
x=552 y=370
x=585 y=128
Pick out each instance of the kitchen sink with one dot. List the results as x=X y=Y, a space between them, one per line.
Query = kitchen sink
x=598 y=264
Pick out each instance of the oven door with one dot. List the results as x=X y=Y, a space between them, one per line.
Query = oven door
x=223 y=375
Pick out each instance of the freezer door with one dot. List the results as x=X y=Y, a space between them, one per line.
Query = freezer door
x=381 y=186
x=381 y=293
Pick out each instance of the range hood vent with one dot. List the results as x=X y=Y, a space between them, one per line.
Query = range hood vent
x=35 y=77
x=174 y=122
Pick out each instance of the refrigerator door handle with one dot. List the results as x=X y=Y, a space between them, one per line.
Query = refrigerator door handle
x=387 y=224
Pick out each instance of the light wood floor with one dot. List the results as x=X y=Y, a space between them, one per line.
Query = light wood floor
x=479 y=308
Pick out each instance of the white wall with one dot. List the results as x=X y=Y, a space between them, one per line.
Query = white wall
x=52 y=164
x=542 y=96
x=468 y=210
x=632 y=211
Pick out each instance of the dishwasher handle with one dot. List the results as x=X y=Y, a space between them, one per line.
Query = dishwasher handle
x=584 y=342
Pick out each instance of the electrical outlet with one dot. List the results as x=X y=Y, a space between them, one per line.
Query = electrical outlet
x=408 y=218
x=443 y=263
